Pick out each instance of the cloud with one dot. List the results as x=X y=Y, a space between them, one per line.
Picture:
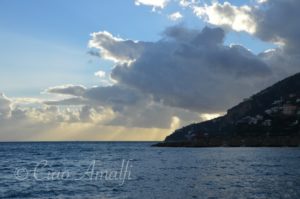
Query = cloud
x=282 y=62
x=187 y=3
x=188 y=70
x=153 y=3
x=188 y=75
x=19 y=122
x=175 y=16
x=68 y=89
x=115 y=96
x=114 y=48
x=277 y=21
x=148 y=114
x=262 y=1
x=100 y=74
x=126 y=107
x=52 y=123
x=73 y=101
x=273 y=21
x=96 y=114
x=193 y=70
x=227 y=15
x=5 y=106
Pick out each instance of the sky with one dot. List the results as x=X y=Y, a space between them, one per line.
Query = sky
x=136 y=69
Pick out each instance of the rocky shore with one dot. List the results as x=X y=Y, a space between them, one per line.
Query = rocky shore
x=236 y=142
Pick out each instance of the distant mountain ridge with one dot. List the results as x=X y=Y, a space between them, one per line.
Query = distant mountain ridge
x=268 y=118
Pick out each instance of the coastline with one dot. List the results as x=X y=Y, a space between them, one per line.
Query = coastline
x=279 y=141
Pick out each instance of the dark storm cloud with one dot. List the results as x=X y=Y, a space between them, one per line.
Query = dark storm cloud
x=278 y=21
x=275 y=21
x=190 y=71
x=194 y=70
x=188 y=68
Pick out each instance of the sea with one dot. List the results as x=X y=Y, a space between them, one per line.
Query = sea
x=119 y=170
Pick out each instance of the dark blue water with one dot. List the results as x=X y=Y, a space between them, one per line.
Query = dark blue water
x=94 y=170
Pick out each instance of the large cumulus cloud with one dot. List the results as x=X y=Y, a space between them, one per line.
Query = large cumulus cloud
x=190 y=69
x=278 y=21
x=177 y=79
x=274 y=21
x=172 y=82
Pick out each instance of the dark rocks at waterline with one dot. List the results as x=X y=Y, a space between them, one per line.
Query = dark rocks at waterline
x=236 y=142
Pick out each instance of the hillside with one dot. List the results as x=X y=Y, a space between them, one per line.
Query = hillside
x=268 y=118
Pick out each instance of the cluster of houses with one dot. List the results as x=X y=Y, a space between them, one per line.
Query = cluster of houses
x=281 y=115
x=290 y=106
x=285 y=108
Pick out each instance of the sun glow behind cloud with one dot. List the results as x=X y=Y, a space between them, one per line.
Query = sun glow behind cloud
x=238 y=18
x=152 y=87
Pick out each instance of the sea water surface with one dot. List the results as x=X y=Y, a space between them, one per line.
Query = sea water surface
x=136 y=170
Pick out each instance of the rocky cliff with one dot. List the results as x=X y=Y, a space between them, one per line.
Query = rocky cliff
x=268 y=118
